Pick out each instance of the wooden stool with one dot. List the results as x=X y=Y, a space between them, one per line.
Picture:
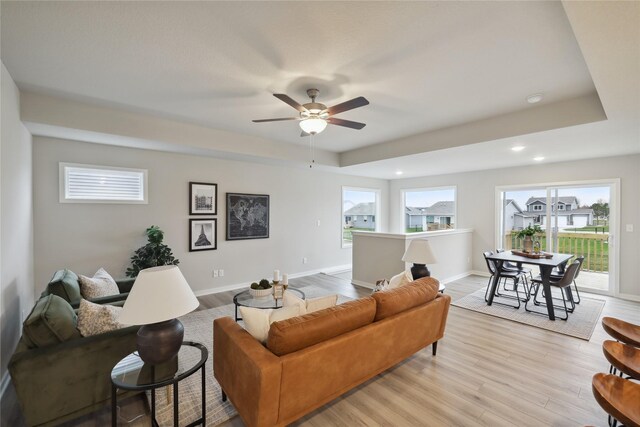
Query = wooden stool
x=623 y=357
x=625 y=332
x=618 y=397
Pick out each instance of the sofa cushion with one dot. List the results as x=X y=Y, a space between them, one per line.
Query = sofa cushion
x=310 y=304
x=51 y=321
x=394 y=301
x=64 y=284
x=100 y=285
x=300 y=332
x=257 y=320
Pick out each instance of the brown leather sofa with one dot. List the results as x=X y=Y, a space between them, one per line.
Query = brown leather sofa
x=312 y=359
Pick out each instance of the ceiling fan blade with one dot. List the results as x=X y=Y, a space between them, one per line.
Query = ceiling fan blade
x=346 y=123
x=275 y=120
x=304 y=134
x=360 y=101
x=290 y=101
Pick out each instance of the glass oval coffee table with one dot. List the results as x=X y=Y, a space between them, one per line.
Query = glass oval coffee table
x=245 y=299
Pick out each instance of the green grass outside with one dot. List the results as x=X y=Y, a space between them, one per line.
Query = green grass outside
x=348 y=237
x=599 y=253
x=591 y=228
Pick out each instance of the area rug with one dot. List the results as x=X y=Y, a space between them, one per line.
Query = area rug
x=198 y=327
x=581 y=322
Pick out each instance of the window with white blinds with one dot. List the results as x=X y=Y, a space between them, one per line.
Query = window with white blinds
x=102 y=184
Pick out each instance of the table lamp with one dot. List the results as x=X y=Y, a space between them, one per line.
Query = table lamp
x=158 y=296
x=419 y=253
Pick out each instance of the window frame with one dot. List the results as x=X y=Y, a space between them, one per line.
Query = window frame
x=62 y=181
x=438 y=188
x=344 y=188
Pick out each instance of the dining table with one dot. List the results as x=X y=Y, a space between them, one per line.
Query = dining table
x=546 y=266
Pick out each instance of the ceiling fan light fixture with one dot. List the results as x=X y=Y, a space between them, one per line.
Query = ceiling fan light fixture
x=313 y=125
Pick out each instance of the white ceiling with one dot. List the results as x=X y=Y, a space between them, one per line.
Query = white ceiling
x=424 y=66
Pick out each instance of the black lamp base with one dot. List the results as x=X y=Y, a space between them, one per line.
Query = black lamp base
x=419 y=271
x=160 y=342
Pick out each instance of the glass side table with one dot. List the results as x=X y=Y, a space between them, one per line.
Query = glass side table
x=245 y=299
x=131 y=373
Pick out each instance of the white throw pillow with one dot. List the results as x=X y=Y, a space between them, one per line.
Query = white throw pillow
x=258 y=320
x=310 y=305
x=400 y=279
x=100 y=285
x=94 y=319
x=315 y=304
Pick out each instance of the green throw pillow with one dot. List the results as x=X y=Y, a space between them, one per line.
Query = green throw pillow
x=51 y=321
x=64 y=283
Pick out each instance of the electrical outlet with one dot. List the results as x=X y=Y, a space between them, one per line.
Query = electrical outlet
x=221 y=273
x=629 y=228
x=304 y=260
x=318 y=223
x=215 y=273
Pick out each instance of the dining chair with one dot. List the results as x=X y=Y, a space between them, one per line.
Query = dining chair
x=506 y=275
x=617 y=397
x=565 y=281
x=524 y=271
x=555 y=274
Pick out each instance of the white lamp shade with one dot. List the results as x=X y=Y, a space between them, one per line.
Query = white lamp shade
x=158 y=294
x=313 y=126
x=419 y=252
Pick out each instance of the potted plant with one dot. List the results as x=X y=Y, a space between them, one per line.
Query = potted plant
x=527 y=234
x=153 y=254
x=262 y=289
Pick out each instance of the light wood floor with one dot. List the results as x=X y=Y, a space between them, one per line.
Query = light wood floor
x=488 y=371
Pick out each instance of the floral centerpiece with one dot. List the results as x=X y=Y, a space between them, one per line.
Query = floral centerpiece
x=527 y=234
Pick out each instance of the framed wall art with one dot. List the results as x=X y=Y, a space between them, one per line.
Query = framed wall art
x=203 y=234
x=203 y=198
x=247 y=216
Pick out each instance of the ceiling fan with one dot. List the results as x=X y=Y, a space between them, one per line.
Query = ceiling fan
x=315 y=116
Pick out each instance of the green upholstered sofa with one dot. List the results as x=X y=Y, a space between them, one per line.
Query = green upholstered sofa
x=58 y=374
x=65 y=284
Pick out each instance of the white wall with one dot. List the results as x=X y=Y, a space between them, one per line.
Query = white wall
x=16 y=220
x=476 y=202
x=84 y=237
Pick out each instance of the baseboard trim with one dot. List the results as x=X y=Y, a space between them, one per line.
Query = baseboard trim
x=337 y=269
x=363 y=284
x=4 y=383
x=629 y=297
x=479 y=273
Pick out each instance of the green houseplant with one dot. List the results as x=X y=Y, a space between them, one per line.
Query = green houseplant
x=527 y=234
x=153 y=254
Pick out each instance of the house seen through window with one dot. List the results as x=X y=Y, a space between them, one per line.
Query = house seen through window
x=429 y=209
x=359 y=211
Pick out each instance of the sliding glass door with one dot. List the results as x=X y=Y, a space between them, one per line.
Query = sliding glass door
x=578 y=219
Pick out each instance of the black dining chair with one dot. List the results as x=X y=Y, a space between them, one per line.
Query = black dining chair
x=503 y=275
x=556 y=275
x=564 y=282
x=524 y=271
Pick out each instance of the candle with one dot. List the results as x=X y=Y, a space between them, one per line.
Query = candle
x=285 y=279
x=276 y=275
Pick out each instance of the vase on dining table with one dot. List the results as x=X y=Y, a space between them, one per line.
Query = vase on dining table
x=527 y=244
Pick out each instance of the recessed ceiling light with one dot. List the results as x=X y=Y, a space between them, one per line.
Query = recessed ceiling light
x=538 y=159
x=517 y=147
x=535 y=98
x=398 y=172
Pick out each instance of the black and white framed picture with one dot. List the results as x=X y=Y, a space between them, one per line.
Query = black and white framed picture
x=203 y=198
x=203 y=234
x=247 y=216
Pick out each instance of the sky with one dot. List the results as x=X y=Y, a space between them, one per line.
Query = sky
x=586 y=196
x=423 y=199
x=351 y=198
